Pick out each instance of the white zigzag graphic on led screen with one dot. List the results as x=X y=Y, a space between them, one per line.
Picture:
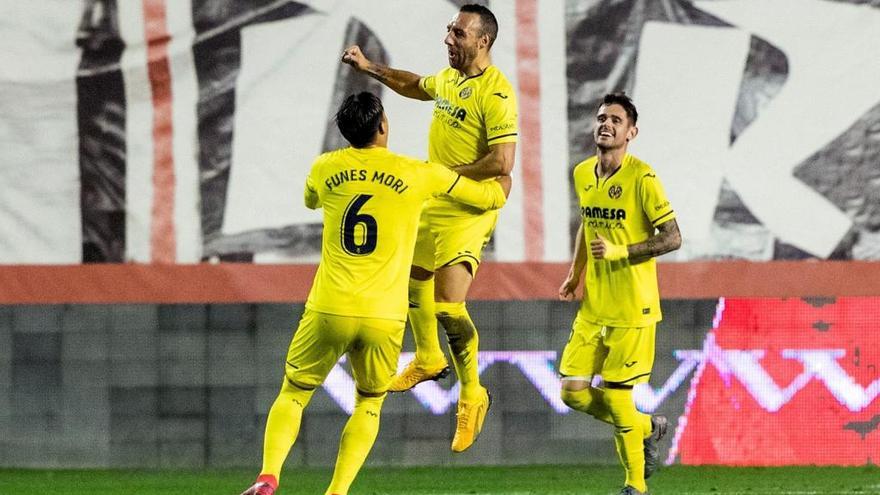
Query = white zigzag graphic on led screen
x=538 y=367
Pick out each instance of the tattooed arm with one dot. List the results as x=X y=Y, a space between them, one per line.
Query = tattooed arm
x=667 y=239
x=400 y=81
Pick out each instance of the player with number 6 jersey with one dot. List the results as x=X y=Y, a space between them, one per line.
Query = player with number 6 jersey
x=371 y=199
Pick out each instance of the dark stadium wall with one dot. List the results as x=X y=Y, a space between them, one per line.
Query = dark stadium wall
x=189 y=385
x=171 y=385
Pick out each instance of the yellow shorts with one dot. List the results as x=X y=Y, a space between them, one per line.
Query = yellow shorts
x=620 y=355
x=449 y=236
x=373 y=346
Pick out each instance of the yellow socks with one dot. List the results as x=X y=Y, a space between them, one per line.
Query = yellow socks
x=424 y=322
x=357 y=440
x=591 y=401
x=463 y=345
x=645 y=422
x=282 y=427
x=628 y=435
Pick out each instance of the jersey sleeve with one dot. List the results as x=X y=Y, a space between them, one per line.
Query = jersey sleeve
x=488 y=195
x=310 y=195
x=500 y=114
x=429 y=85
x=654 y=201
x=579 y=181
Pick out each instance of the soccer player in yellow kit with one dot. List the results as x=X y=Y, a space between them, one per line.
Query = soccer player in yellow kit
x=371 y=199
x=626 y=221
x=473 y=131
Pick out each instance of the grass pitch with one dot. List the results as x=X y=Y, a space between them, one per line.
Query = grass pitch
x=519 y=480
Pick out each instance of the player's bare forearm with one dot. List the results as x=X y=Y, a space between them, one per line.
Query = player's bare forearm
x=497 y=162
x=400 y=81
x=668 y=239
x=578 y=262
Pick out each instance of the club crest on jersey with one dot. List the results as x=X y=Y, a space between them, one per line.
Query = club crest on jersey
x=465 y=93
x=615 y=191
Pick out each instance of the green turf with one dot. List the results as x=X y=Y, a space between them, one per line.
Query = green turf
x=520 y=480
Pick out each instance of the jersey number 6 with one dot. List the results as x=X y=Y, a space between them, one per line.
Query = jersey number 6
x=353 y=218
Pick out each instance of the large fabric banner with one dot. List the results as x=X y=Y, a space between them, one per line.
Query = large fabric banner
x=159 y=131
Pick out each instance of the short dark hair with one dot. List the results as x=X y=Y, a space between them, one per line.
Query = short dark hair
x=487 y=20
x=359 y=118
x=625 y=101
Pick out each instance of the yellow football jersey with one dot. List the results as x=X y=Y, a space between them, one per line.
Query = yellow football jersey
x=624 y=208
x=470 y=114
x=372 y=199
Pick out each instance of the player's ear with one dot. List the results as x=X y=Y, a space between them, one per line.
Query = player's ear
x=632 y=133
x=383 y=125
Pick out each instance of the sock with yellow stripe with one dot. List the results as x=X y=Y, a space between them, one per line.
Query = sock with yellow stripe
x=357 y=440
x=628 y=435
x=424 y=322
x=590 y=401
x=463 y=344
x=282 y=427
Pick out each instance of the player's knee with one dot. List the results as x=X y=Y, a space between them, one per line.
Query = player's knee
x=579 y=400
x=453 y=282
x=297 y=393
x=420 y=274
x=369 y=395
x=369 y=403
x=293 y=378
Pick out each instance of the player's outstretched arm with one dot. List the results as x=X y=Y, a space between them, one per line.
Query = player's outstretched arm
x=578 y=262
x=400 y=81
x=498 y=161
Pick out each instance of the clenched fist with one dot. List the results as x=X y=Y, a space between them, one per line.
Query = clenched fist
x=354 y=57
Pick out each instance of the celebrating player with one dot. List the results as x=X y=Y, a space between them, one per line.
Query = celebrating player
x=357 y=305
x=473 y=131
x=626 y=222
